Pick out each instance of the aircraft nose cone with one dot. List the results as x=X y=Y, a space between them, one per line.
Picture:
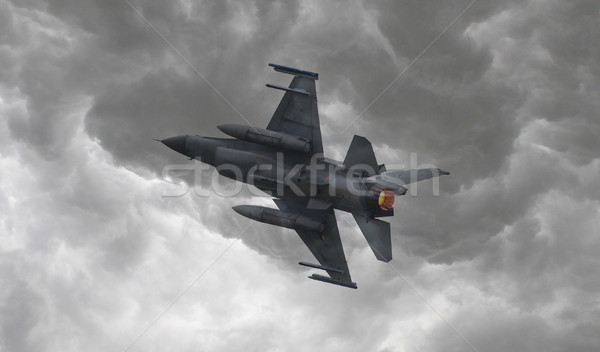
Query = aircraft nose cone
x=176 y=143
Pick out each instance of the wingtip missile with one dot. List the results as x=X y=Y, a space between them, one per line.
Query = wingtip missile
x=294 y=71
x=332 y=281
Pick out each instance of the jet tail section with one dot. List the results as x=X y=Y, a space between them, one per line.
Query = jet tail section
x=361 y=156
x=378 y=235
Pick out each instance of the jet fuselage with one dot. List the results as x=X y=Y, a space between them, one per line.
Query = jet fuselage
x=280 y=173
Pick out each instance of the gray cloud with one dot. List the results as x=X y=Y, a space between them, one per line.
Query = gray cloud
x=506 y=99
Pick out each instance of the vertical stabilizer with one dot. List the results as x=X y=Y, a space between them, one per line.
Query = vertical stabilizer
x=361 y=156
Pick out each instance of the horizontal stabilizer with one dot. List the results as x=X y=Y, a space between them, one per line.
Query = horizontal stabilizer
x=332 y=281
x=378 y=235
x=322 y=267
x=295 y=71
x=405 y=177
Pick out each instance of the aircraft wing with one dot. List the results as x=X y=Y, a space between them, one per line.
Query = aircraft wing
x=326 y=247
x=297 y=112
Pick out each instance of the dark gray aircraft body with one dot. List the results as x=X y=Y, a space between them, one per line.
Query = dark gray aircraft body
x=286 y=161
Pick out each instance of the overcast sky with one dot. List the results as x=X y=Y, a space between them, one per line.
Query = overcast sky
x=93 y=257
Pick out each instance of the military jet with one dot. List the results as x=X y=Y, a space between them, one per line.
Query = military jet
x=286 y=160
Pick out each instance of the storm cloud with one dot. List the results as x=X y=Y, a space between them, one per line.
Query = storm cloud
x=94 y=256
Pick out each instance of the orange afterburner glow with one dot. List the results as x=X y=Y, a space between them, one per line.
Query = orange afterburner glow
x=386 y=199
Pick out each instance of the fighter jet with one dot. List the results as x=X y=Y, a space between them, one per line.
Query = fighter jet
x=286 y=161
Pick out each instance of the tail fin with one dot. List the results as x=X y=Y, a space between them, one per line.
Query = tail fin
x=361 y=155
